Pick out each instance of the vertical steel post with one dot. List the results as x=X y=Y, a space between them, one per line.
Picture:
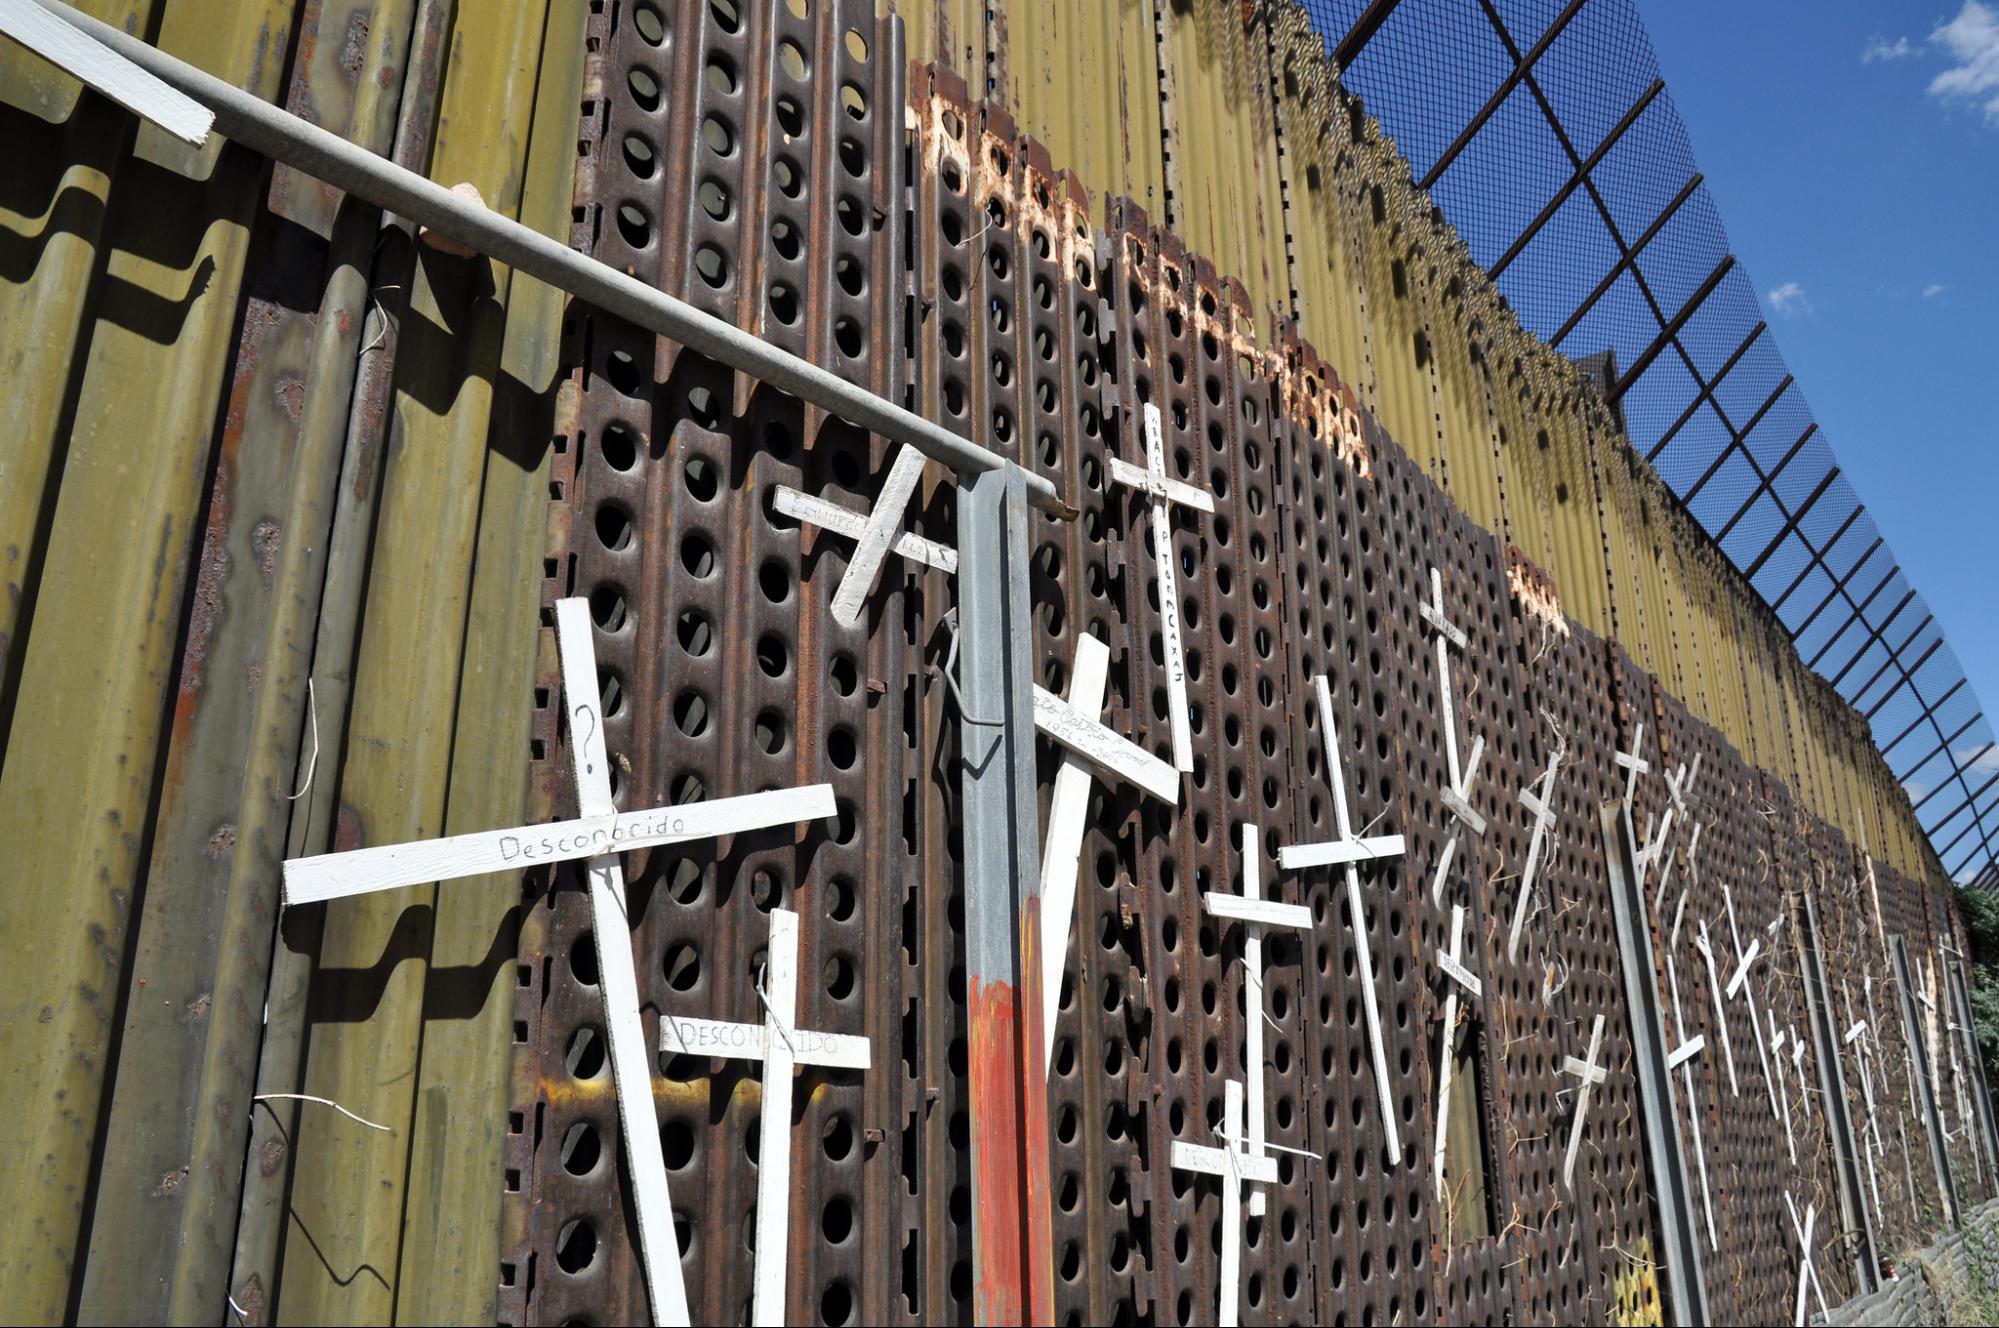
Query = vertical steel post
x=1686 y=1283
x=1898 y=952
x=1012 y=1238
x=1832 y=1090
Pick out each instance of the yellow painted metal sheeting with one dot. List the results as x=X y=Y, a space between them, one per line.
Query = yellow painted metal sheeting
x=128 y=260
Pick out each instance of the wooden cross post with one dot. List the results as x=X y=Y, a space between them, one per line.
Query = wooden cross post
x=1714 y=991
x=600 y=834
x=1798 y=1068
x=1540 y=805
x=1077 y=725
x=1456 y=796
x=1348 y=850
x=1588 y=1074
x=1806 y=1272
x=1453 y=967
x=781 y=1046
x=1234 y=1166
x=1680 y=1058
x=873 y=535
x=1164 y=492
x=1783 y=1087
x=1255 y=913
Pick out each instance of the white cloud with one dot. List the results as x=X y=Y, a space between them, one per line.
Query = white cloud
x=1879 y=48
x=1980 y=762
x=1972 y=40
x=1934 y=289
x=1790 y=300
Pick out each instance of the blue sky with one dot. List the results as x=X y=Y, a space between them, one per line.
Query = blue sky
x=1853 y=152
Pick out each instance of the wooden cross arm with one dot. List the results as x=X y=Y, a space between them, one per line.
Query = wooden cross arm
x=830 y=516
x=1455 y=804
x=76 y=52
x=1686 y=1051
x=1463 y=976
x=1293 y=856
x=1115 y=756
x=750 y=1042
x=1215 y=1162
x=1174 y=491
x=366 y=870
x=1741 y=974
x=1583 y=1070
x=1268 y=912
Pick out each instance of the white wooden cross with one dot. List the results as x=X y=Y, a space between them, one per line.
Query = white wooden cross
x=600 y=834
x=781 y=1046
x=1449 y=634
x=1858 y=1036
x=1634 y=764
x=1783 y=1087
x=1077 y=725
x=1806 y=1272
x=1798 y=1067
x=1588 y=1075
x=1255 y=913
x=1164 y=491
x=1346 y=851
x=1452 y=964
x=1714 y=991
x=1541 y=806
x=1234 y=1165
x=1456 y=796
x=1680 y=1058
x=873 y=535
x=1739 y=988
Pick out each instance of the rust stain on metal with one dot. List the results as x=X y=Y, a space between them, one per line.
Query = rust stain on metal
x=354 y=50
x=222 y=840
x=170 y=1182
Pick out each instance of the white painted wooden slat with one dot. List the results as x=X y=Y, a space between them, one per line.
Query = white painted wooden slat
x=1686 y=1051
x=77 y=53
x=773 y=1221
x=1264 y=912
x=1178 y=492
x=365 y=870
x=1457 y=972
x=883 y=521
x=830 y=516
x=1720 y=1013
x=1169 y=598
x=1589 y=1074
x=617 y=978
x=1062 y=844
x=1294 y=856
x=1214 y=1162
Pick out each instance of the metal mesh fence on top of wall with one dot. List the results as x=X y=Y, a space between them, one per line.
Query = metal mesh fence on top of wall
x=1544 y=131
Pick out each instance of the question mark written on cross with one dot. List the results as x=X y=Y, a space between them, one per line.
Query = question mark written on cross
x=583 y=739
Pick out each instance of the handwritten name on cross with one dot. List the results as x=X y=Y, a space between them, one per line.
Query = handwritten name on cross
x=1077 y=726
x=1164 y=491
x=1255 y=913
x=1541 y=806
x=1451 y=963
x=873 y=535
x=1234 y=1166
x=781 y=1046
x=1346 y=851
x=600 y=834
x=1588 y=1075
